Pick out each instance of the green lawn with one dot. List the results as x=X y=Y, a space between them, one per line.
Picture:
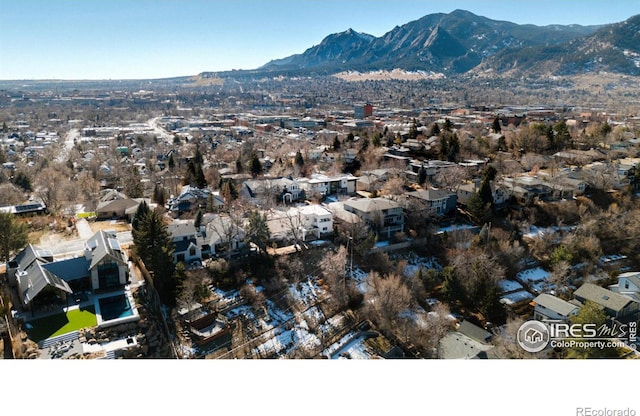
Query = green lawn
x=62 y=323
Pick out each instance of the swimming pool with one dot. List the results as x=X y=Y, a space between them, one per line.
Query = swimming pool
x=115 y=307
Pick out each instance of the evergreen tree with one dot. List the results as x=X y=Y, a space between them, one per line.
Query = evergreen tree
x=141 y=211
x=172 y=163
x=198 y=221
x=299 y=159
x=422 y=175
x=199 y=180
x=197 y=157
x=448 y=125
x=336 y=143
x=23 y=181
x=256 y=166
x=453 y=148
x=239 y=167
x=452 y=288
x=13 y=236
x=258 y=230
x=153 y=245
x=435 y=130
x=496 y=126
x=444 y=148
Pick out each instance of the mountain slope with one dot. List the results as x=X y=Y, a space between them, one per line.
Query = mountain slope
x=449 y=43
x=612 y=48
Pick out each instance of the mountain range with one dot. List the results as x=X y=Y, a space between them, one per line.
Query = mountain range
x=461 y=42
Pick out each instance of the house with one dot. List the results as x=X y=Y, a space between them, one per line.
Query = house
x=616 y=305
x=263 y=191
x=114 y=204
x=222 y=236
x=384 y=216
x=434 y=201
x=185 y=243
x=305 y=223
x=41 y=280
x=324 y=185
x=549 y=307
x=499 y=194
x=468 y=341
x=628 y=284
x=192 y=198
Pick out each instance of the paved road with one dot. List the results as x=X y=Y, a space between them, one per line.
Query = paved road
x=69 y=142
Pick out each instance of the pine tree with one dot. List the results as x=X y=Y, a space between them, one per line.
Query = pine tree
x=153 y=245
x=142 y=210
x=198 y=221
x=13 y=235
x=256 y=166
x=336 y=143
x=258 y=230
x=496 y=126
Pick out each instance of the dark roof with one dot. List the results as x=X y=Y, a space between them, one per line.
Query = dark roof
x=182 y=245
x=35 y=278
x=69 y=269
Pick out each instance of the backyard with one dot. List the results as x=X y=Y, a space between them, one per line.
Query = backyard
x=61 y=323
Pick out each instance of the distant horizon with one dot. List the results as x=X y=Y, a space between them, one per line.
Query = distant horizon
x=76 y=40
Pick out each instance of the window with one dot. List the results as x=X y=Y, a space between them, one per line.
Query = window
x=108 y=275
x=192 y=252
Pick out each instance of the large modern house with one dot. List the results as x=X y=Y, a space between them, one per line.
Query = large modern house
x=43 y=282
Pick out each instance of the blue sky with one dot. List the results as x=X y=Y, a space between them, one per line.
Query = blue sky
x=119 y=39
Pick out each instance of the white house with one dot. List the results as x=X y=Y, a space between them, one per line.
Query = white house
x=300 y=223
x=184 y=237
x=628 y=284
x=549 y=307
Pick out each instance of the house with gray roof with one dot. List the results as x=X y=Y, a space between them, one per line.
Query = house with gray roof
x=41 y=280
x=184 y=237
x=434 y=201
x=549 y=307
x=222 y=236
x=468 y=341
x=616 y=305
x=628 y=284
x=384 y=216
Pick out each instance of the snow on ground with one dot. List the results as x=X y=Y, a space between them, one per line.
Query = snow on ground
x=456 y=227
x=305 y=293
x=359 y=276
x=539 y=232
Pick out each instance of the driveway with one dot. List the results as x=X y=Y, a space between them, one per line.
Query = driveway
x=84 y=229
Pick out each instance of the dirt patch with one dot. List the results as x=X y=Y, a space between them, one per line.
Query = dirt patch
x=117 y=226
